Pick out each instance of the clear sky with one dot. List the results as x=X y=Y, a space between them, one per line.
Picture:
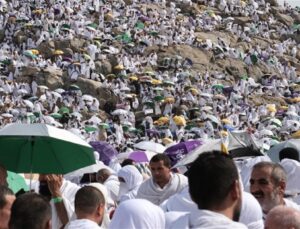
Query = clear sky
x=291 y=2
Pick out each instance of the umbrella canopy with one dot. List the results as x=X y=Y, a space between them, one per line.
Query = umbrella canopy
x=16 y=182
x=138 y=156
x=39 y=148
x=119 y=112
x=141 y=156
x=176 y=152
x=150 y=146
x=273 y=153
x=88 y=169
x=241 y=144
x=105 y=150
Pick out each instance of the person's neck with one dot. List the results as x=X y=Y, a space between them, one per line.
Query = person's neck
x=163 y=183
x=89 y=217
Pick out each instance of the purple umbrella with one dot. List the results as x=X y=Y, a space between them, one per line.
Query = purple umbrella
x=105 y=150
x=176 y=152
x=141 y=156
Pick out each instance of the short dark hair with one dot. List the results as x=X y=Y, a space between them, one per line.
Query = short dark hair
x=127 y=161
x=87 y=199
x=277 y=174
x=211 y=177
x=4 y=191
x=30 y=210
x=161 y=157
x=289 y=153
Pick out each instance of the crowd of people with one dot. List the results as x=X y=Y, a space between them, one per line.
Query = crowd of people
x=177 y=103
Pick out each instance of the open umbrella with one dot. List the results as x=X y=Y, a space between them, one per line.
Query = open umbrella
x=105 y=150
x=150 y=146
x=273 y=153
x=176 y=152
x=16 y=182
x=119 y=112
x=40 y=148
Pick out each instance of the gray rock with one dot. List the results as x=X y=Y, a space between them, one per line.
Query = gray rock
x=47 y=49
x=285 y=19
x=104 y=67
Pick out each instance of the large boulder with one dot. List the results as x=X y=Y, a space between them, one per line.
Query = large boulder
x=19 y=37
x=105 y=95
x=104 y=67
x=76 y=44
x=28 y=71
x=47 y=49
x=51 y=77
x=285 y=19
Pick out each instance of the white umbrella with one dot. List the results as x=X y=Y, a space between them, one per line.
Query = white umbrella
x=119 y=112
x=213 y=119
x=56 y=94
x=209 y=145
x=88 y=169
x=88 y=98
x=273 y=153
x=125 y=89
x=28 y=104
x=22 y=91
x=207 y=95
x=7 y=115
x=77 y=115
x=150 y=146
x=94 y=119
x=59 y=90
x=266 y=132
x=43 y=87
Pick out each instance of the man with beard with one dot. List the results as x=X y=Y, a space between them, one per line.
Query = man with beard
x=267 y=185
x=214 y=186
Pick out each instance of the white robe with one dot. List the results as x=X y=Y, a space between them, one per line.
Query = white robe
x=113 y=186
x=152 y=192
x=206 y=219
x=292 y=168
x=82 y=224
x=138 y=214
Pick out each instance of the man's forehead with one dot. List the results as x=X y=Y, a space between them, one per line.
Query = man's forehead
x=261 y=172
x=156 y=164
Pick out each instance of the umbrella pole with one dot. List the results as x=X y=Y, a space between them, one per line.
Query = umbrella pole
x=31 y=139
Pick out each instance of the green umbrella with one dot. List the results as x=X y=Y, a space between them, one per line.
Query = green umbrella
x=139 y=25
x=254 y=58
x=65 y=27
x=167 y=82
x=104 y=125
x=218 y=86
x=153 y=33
x=92 y=25
x=64 y=110
x=56 y=115
x=89 y=129
x=16 y=182
x=30 y=54
x=40 y=148
x=158 y=98
x=74 y=87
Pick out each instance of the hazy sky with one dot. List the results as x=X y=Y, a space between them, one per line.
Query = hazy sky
x=291 y=2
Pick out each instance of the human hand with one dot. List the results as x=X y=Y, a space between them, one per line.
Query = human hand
x=54 y=184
